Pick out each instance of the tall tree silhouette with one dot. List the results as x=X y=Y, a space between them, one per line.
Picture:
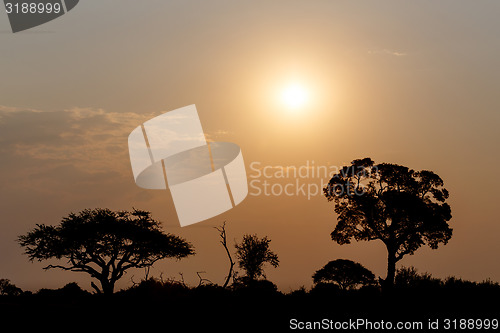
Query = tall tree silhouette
x=104 y=244
x=252 y=253
x=403 y=208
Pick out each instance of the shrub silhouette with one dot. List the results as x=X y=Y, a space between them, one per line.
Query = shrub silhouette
x=70 y=290
x=346 y=274
x=254 y=289
x=9 y=289
x=157 y=288
x=408 y=277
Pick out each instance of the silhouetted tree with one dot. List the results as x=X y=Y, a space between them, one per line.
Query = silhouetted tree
x=345 y=273
x=403 y=208
x=223 y=241
x=253 y=253
x=9 y=289
x=104 y=244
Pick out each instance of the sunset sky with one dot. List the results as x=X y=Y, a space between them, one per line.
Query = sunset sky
x=293 y=83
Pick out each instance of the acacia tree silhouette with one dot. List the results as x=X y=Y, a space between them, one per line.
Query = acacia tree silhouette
x=252 y=253
x=346 y=274
x=104 y=244
x=403 y=208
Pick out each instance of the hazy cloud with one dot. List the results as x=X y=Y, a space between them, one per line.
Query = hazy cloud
x=388 y=52
x=10 y=109
x=78 y=154
x=217 y=135
x=91 y=139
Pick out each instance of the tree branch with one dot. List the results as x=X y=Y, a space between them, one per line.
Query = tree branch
x=223 y=241
x=401 y=254
x=97 y=289
x=59 y=266
x=202 y=279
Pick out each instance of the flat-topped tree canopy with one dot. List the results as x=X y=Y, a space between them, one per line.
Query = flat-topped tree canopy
x=104 y=244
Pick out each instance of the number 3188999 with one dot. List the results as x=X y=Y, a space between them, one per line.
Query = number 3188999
x=32 y=8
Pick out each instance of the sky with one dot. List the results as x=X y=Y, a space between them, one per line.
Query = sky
x=408 y=82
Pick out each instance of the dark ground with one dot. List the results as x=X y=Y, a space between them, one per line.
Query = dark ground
x=172 y=307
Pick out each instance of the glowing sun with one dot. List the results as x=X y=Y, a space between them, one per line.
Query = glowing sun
x=294 y=96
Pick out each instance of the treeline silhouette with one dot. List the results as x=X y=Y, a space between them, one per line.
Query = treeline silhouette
x=408 y=280
x=258 y=302
x=403 y=208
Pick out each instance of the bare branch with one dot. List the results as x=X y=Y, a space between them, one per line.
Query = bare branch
x=133 y=282
x=223 y=241
x=59 y=266
x=182 y=279
x=202 y=279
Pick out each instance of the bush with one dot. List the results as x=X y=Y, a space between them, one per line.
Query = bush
x=9 y=289
x=325 y=289
x=249 y=287
x=154 y=287
x=70 y=290
x=344 y=273
x=408 y=277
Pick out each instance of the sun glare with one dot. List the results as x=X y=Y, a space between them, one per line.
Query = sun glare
x=294 y=96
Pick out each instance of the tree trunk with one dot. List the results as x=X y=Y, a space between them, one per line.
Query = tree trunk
x=222 y=232
x=391 y=270
x=230 y=274
x=107 y=287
